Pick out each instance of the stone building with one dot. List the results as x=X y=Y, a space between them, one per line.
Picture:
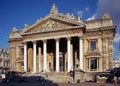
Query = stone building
x=60 y=43
x=116 y=61
x=4 y=60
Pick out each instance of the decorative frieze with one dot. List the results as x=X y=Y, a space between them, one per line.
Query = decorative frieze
x=52 y=35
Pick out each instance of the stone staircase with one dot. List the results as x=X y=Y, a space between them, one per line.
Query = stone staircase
x=63 y=77
x=57 y=77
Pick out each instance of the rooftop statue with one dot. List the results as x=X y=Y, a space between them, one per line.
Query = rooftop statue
x=54 y=10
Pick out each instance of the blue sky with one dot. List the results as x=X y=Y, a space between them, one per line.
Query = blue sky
x=16 y=13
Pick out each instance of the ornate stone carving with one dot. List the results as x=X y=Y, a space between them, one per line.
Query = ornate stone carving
x=52 y=35
x=14 y=29
x=54 y=10
x=106 y=16
x=48 y=25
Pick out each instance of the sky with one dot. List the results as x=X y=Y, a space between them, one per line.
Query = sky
x=16 y=13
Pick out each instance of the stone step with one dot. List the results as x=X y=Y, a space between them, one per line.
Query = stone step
x=57 y=77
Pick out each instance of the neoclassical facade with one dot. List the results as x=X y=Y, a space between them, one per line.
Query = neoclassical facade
x=58 y=43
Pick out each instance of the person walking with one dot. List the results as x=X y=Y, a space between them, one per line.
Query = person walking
x=115 y=81
x=116 y=75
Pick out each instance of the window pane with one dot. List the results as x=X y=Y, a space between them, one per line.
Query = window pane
x=93 y=64
x=93 y=45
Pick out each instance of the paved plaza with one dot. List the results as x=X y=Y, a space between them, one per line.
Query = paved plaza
x=54 y=84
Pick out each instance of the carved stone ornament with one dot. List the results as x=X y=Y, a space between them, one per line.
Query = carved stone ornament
x=54 y=10
x=106 y=16
x=50 y=25
x=92 y=54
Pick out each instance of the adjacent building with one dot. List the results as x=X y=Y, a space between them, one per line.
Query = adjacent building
x=116 y=63
x=4 y=60
x=60 y=43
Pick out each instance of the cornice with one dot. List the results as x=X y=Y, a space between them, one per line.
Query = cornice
x=102 y=29
x=96 y=20
x=54 y=30
x=14 y=39
x=58 y=17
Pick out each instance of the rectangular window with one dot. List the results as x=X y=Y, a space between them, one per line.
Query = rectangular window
x=93 y=63
x=93 y=45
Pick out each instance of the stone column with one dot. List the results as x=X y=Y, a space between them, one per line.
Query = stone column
x=39 y=56
x=34 y=56
x=45 y=55
x=25 y=57
x=68 y=52
x=57 y=55
x=81 y=52
x=71 y=56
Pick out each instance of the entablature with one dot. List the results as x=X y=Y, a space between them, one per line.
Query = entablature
x=70 y=32
x=107 y=28
x=100 y=32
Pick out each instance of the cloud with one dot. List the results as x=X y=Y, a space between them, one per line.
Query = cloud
x=110 y=6
x=113 y=8
x=117 y=38
x=80 y=12
x=87 y=9
x=92 y=17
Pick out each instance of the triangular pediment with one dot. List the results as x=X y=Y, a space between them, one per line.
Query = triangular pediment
x=49 y=24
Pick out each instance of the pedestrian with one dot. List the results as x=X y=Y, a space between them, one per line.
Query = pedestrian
x=115 y=81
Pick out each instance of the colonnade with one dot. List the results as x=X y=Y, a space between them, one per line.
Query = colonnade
x=57 y=41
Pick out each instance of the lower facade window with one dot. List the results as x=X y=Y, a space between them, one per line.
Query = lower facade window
x=93 y=64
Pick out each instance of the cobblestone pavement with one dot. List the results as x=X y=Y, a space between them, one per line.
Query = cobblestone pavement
x=54 y=84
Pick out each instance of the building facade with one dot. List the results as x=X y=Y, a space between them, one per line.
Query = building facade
x=4 y=60
x=58 y=43
x=116 y=61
